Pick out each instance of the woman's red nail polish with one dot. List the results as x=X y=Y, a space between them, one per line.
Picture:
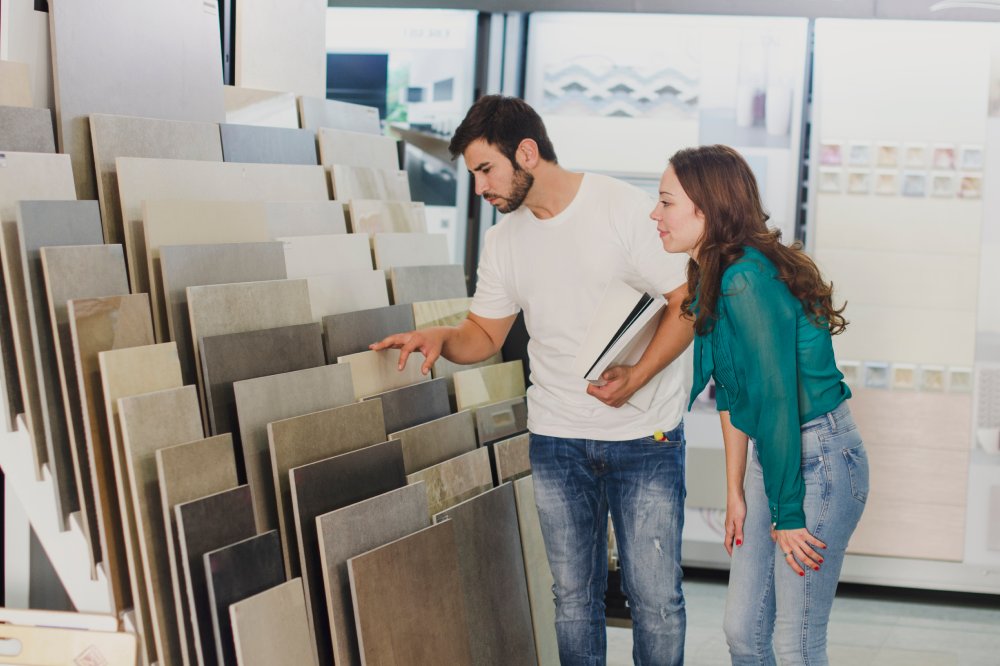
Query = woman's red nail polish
x=739 y=543
x=815 y=568
x=802 y=573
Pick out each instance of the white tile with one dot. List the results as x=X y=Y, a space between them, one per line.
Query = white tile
x=281 y=45
x=357 y=149
x=397 y=250
x=318 y=255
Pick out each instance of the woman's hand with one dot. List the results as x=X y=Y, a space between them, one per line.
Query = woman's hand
x=799 y=546
x=736 y=513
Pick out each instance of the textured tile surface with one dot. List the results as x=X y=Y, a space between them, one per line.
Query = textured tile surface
x=482 y=386
x=512 y=458
x=357 y=149
x=268 y=145
x=327 y=485
x=370 y=216
x=455 y=480
x=377 y=372
x=353 y=531
x=352 y=332
x=306 y=439
x=272 y=628
x=368 y=183
x=537 y=572
x=412 y=405
x=316 y=255
x=437 y=441
x=281 y=45
x=408 y=602
x=502 y=419
x=316 y=112
x=493 y=579
x=265 y=399
x=427 y=283
x=392 y=250
x=266 y=108
x=26 y=130
x=346 y=291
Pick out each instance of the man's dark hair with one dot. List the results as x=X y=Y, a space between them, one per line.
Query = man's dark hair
x=503 y=122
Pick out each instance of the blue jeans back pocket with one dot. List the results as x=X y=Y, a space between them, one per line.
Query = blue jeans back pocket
x=857 y=468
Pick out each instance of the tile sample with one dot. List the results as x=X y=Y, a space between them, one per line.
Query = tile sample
x=268 y=145
x=317 y=112
x=281 y=45
x=187 y=472
x=305 y=439
x=266 y=108
x=352 y=332
x=412 y=405
x=15 y=84
x=97 y=325
x=537 y=572
x=26 y=130
x=369 y=183
x=24 y=35
x=392 y=250
x=436 y=441
x=493 y=383
x=234 y=573
x=89 y=67
x=346 y=291
x=447 y=312
x=376 y=372
x=183 y=266
x=355 y=530
x=265 y=399
x=150 y=422
x=455 y=480
x=498 y=420
x=52 y=645
x=272 y=628
x=327 y=485
x=371 y=216
x=204 y=525
x=357 y=149
x=126 y=136
x=512 y=457
x=305 y=218
x=408 y=603
x=316 y=255
x=493 y=579
x=427 y=283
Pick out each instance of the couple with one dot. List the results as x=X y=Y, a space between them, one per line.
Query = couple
x=761 y=317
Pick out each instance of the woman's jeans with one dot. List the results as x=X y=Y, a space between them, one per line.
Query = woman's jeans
x=641 y=481
x=768 y=602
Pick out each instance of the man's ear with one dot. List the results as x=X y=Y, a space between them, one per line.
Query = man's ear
x=527 y=154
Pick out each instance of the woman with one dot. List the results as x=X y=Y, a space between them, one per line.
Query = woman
x=763 y=320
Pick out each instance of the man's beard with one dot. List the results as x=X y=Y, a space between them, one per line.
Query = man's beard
x=520 y=187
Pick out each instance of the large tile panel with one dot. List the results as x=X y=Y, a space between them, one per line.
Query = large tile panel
x=412 y=405
x=512 y=457
x=376 y=372
x=265 y=108
x=272 y=628
x=436 y=441
x=427 y=283
x=392 y=250
x=268 y=145
x=281 y=45
x=346 y=291
x=357 y=149
x=317 y=112
x=369 y=183
x=15 y=84
x=493 y=383
x=316 y=255
x=447 y=312
x=370 y=216
x=26 y=130
x=455 y=480
x=353 y=332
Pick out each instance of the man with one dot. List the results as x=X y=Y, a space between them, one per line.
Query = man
x=565 y=237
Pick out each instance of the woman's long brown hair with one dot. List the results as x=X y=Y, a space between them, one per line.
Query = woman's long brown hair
x=720 y=183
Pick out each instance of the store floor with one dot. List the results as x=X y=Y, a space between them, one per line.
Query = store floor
x=868 y=627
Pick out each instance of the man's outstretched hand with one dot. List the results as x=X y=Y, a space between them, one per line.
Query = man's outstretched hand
x=428 y=341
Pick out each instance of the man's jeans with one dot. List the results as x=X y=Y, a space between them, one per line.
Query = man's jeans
x=641 y=481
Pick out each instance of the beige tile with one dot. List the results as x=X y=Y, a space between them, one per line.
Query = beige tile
x=346 y=291
x=888 y=527
x=316 y=255
x=368 y=183
x=48 y=645
x=512 y=457
x=272 y=628
x=267 y=108
x=370 y=216
x=447 y=312
x=437 y=441
x=392 y=250
x=357 y=149
x=377 y=372
x=482 y=386
x=15 y=84
x=281 y=45
x=914 y=419
x=539 y=576
x=455 y=480
x=317 y=112
x=305 y=218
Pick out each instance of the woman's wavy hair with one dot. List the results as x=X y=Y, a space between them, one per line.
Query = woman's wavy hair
x=720 y=183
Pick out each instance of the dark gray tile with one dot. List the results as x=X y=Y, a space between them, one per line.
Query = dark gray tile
x=234 y=573
x=415 y=404
x=500 y=420
x=352 y=332
x=436 y=441
x=26 y=130
x=268 y=145
x=493 y=578
x=325 y=486
x=205 y=525
x=411 y=284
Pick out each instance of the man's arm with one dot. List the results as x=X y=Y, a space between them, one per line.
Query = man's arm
x=475 y=339
x=672 y=337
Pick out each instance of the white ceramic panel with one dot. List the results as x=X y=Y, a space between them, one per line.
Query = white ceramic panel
x=317 y=255
x=392 y=250
x=371 y=216
x=346 y=291
x=24 y=38
x=281 y=45
x=368 y=183
x=267 y=108
x=357 y=149
x=317 y=112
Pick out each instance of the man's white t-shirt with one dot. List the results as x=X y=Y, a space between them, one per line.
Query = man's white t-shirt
x=556 y=270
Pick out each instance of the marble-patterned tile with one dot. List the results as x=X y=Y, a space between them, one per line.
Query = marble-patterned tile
x=279 y=45
x=204 y=525
x=371 y=216
x=392 y=250
x=498 y=420
x=346 y=291
x=149 y=422
x=369 y=183
x=264 y=108
x=357 y=149
x=355 y=530
x=412 y=405
x=230 y=358
x=276 y=397
x=183 y=266
x=512 y=457
x=316 y=255
x=15 y=84
x=376 y=372
x=493 y=383
x=316 y=112
x=447 y=312
x=234 y=573
x=427 y=283
x=705 y=477
x=353 y=332
x=537 y=572
x=408 y=603
x=305 y=218
x=27 y=130
x=272 y=628
x=97 y=325
x=493 y=578
x=455 y=480
x=268 y=145
x=305 y=439
x=328 y=485
x=187 y=472
x=436 y=441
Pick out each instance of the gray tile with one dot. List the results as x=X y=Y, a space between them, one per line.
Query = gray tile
x=499 y=420
x=351 y=182
x=412 y=405
x=305 y=439
x=399 y=250
x=328 y=485
x=493 y=579
x=230 y=358
x=436 y=441
x=512 y=458
x=537 y=572
x=272 y=628
x=234 y=573
x=26 y=130
x=427 y=283
x=357 y=149
x=183 y=266
x=455 y=480
x=315 y=112
x=352 y=531
x=204 y=525
x=268 y=145
x=265 y=399
x=408 y=603
x=352 y=332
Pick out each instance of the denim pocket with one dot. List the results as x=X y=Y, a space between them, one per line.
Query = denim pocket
x=813 y=471
x=857 y=468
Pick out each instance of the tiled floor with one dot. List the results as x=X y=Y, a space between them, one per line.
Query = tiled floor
x=868 y=627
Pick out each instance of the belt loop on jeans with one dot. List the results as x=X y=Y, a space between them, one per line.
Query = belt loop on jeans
x=831 y=421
